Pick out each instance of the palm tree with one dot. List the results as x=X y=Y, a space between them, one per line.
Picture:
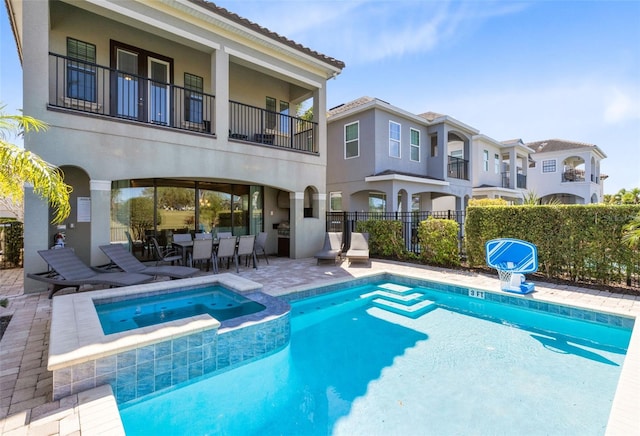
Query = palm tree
x=19 y=166
x=631 y=233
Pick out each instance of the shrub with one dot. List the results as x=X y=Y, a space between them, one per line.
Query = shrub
x=385 y=238
x=439 y=242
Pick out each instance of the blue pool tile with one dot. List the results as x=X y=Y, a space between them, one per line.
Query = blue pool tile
x=163 y=349
x=209 y=351
x=104 y=379
x=106 y=365
x=145 y=386
x=163 y=380
x=62 y=377
x=84 y=371
x=146 y=354
x=145 y=370
x=179 y=375
x=194 y=355
x=126 y=376
x=163 y=364
x=62 y=391
x=126 y=359
x=180 y=344
x=83 y=385
x=125 y=393
x=195 y=340
x=209 y=336
x=209 y=365
x=179 y=360
x=195 y=370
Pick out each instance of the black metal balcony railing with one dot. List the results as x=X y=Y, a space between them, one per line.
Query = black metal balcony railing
x=89 y=87
x=458 y=168
x=573 y=176
x=506 y=180
x=250 y=123
x=521 y=181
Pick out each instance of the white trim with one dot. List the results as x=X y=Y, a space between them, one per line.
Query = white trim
x=100 y=185
x=399 y=140
x=404 y=178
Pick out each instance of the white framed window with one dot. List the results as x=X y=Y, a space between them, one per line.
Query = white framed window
x=415 y=145
x=485 y=160
x=394 y=139
x=496 y=163
x=335 y=201
x=549 y=166
x=352 y=140
x=457 y=153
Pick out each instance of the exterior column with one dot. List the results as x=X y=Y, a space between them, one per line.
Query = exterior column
x=220 y=85
x=36 y=237
x=296 y=223
x=513 y=169
x=100 y=219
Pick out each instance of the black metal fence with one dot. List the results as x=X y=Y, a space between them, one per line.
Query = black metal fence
x=345 y=222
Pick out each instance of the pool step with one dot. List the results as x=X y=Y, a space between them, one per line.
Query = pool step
x=392 y=295
x=410 y=310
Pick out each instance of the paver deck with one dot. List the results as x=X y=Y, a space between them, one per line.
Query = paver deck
x=26 y=385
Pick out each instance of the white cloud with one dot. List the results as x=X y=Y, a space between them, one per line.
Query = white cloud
x=620 y=106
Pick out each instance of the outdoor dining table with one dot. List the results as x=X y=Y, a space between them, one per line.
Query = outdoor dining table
x=186 y=247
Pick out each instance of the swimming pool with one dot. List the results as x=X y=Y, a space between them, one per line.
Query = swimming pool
x=133 y=313
x=402 y=357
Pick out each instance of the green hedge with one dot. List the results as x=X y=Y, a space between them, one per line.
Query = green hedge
x=581 y=243
x=439 y=242
x=385 y=238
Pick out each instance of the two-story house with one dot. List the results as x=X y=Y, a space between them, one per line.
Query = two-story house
x=567 y=171
x=385 y=159
x=500 y=169
x=171 y=116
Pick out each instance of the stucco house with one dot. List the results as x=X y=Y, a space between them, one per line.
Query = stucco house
x=171 y=116
x=567 y=171
x=500 y=169
x=385 y=159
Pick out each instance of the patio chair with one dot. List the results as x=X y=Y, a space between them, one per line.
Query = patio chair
x=164 y=255
x=134 y=245
x=359 y=248
x=202 y=252
x=222 y=235
x=128 y=263
x=202 y=235
x=69 y=271
x=226 y=250
x=261 y=244
x=246 y=245
x=332 y=248
x=182 y=237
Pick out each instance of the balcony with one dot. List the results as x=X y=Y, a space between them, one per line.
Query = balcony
x=521 y=181
x=506 y=180
x=572 y=175
x=253 y=124
x=98 y=90
x=458 y=168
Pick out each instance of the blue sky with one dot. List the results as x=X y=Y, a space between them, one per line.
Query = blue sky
x=511 y=69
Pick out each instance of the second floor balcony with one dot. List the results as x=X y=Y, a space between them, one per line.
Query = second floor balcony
x=573 y=175
x=521 y=181
x=458 y=168
x=102 y=91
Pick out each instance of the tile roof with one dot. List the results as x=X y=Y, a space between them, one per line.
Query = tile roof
x=551 y=145
x=430 y=116
x=266 y=32
x=350 y=105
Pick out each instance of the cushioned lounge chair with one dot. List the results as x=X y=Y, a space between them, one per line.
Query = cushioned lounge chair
x=119 y=255
x=68 y=271
x=332 y=248
x=359 y=248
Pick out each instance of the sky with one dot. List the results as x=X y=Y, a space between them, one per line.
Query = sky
x=533 y=70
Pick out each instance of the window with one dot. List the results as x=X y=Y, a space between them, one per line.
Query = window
x=457 y=153
x=335 y=201
x=351 y=140
x=193 y=98
x=434 y=146
x=415 y=145
x=284 y=116
x=81 y=73
x=496 y=163
x=270 y=116
x=485 y=160
x=394 y=139
x=548 y=166
x=377 y=202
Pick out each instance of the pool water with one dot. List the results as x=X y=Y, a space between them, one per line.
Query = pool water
x=361 y=363
x=134 y=313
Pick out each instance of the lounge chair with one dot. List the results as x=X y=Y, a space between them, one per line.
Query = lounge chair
x=68 y=271
x=359 y=248
x=332 y=248
x=119 y=255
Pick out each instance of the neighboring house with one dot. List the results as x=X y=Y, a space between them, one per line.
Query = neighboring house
x=567 y=171
x=171 y=116
x=385 y=159
x=500 y=169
